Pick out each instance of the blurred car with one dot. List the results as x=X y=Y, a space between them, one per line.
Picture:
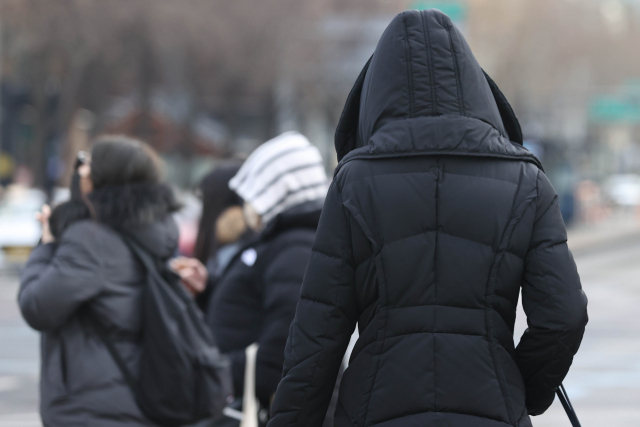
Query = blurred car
x=624 y=189
x=19 y=229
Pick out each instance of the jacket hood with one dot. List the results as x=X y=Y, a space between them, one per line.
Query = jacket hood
x=160 y=238
x=422 y=69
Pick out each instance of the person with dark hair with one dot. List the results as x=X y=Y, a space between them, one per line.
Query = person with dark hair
x=436 y=219
x=217 y=198
x=83 y=264
x=221 y=233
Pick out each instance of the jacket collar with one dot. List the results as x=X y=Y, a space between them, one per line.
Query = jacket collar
x=439 y=136
x=305 y=215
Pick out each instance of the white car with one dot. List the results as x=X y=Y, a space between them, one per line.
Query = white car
x=624 y=190
x=19 y=229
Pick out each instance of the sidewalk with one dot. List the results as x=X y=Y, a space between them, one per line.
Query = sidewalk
x=619 y=230
x=603 y=383
x=19 y=360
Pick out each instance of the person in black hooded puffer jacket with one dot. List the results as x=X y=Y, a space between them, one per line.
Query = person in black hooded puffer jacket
x=436 y=219
x=86 y=266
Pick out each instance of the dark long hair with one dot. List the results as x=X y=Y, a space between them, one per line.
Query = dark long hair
x=216 y=198
x=119 y=160
x=127 y=189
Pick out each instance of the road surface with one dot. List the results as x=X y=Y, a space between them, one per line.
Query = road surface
x=604 y=382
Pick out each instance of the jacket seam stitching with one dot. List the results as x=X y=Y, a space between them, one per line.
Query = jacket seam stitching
x=322 y=349
x=434 y=305
x=366 y=397
x=483 y=177
x=432 y=153
x=547 y=296
x=546 y=209
x=435 y=333
x=435 y=281
x=325 y=254
x=426 y=172
x=315 y=370
x=553 y=245
x=407 y=51
x=427 y=43
x=516 y=217
x=440 y=412
x=391 y=242
x=456 y=71
x=312 y=301
x=339 y=403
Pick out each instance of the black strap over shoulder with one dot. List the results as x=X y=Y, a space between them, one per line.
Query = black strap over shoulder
x=181 y=376
x=102 y=333
x=155 y=266
x=101 y=330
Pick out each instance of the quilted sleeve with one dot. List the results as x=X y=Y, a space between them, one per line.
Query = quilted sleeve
x=325 y=318
x=282 y=281
x=57 y=280
x=553 y=300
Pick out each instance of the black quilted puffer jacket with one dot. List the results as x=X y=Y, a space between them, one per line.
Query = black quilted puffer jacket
x=436 y=219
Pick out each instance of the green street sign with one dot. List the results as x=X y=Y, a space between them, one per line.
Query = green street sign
x=457 y=10
x=623 y=107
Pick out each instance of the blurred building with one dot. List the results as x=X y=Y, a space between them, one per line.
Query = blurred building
x=215 y=79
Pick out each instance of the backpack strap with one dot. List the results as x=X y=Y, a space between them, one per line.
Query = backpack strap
x=156 y=266
x=149 y=263
x=101 y=331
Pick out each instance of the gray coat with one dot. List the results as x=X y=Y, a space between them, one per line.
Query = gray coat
x=90 y=266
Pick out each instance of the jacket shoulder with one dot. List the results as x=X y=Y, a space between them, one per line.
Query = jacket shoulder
x=353 y=170
x=86 y=229
x=288 y=238
x=91 y=236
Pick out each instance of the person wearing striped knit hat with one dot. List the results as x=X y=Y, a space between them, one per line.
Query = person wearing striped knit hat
x=283 y=184
x=282 y=173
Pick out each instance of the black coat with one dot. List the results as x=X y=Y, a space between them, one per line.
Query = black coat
x=433 y=224
x=90 y=267
x=256 y=298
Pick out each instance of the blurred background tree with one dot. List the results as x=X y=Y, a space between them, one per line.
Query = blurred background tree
x=204 y=80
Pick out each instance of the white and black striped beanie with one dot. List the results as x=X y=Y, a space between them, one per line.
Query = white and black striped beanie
x=284 y=172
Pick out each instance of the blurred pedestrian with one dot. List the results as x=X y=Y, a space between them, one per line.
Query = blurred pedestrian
x=283 y=185
x=82 y=262
x=221 y=233
x=437 y=217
